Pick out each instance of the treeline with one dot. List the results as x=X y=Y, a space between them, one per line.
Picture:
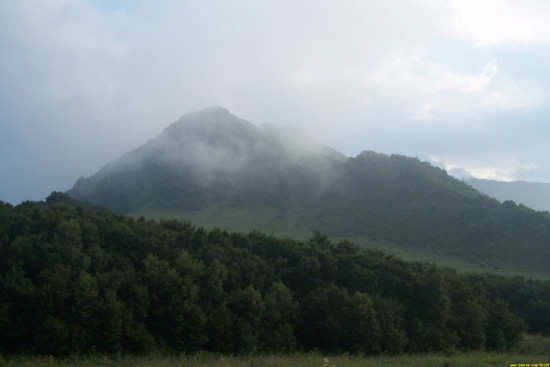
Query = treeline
x=77 y=279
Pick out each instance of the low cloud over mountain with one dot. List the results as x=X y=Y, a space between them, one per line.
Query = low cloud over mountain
x=212 y=160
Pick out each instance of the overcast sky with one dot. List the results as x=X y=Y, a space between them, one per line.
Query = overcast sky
x=462 y=84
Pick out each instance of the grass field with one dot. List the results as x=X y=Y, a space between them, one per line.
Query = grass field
x=533 y=351
x=288 y=360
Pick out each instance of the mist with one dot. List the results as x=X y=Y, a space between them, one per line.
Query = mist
x=210 y=157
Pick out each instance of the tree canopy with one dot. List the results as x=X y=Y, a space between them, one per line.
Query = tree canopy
x=81 y=279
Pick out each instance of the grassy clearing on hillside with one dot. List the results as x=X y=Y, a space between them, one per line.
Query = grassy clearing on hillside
x=461 y=266
x=284 y=225
x=240 y=219
x=284 y=360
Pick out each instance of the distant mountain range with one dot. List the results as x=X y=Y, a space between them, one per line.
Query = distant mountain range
x=215 y=169
x=533 y=194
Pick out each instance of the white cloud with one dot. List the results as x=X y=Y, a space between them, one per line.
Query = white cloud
x=415 y=74
x=499 y=22
x=433 y=90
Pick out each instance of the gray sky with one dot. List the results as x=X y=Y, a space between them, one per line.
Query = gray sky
x=463 y=84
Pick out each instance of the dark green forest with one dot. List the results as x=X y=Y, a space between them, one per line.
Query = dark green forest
x=81 y=279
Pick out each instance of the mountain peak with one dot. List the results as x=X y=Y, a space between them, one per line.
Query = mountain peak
x=214 y=120
x=209 y=111
x=215 y=108
x=205 y=148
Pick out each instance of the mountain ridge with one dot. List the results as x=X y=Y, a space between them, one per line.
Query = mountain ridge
x=535 y=195
x=213 y=161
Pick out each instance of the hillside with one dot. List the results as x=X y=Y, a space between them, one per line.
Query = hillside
x=535 y=195
x=212 y=165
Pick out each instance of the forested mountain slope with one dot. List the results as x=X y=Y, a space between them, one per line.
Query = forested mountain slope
x=78 y=279
x=212 y=159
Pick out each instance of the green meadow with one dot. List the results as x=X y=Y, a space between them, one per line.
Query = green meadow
x=284 y=360
x=533 y=351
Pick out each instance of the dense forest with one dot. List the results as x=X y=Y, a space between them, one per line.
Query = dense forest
x=79 y=279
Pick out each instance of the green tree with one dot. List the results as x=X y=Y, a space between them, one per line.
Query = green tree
x=18 y=316
x=504 y=329
x=175 y=315
x=247 y=309
x=428 y=312
x=281 y=313
x=391 y=324
x=332 y=321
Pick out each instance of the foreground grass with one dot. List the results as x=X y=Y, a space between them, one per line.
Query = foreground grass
x=288 y=360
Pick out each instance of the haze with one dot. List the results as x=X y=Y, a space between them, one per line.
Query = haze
x=461 y=84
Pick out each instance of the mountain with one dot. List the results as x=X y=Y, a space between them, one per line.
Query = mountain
x=535 y=195
x=211 y=157
x=213 y=168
